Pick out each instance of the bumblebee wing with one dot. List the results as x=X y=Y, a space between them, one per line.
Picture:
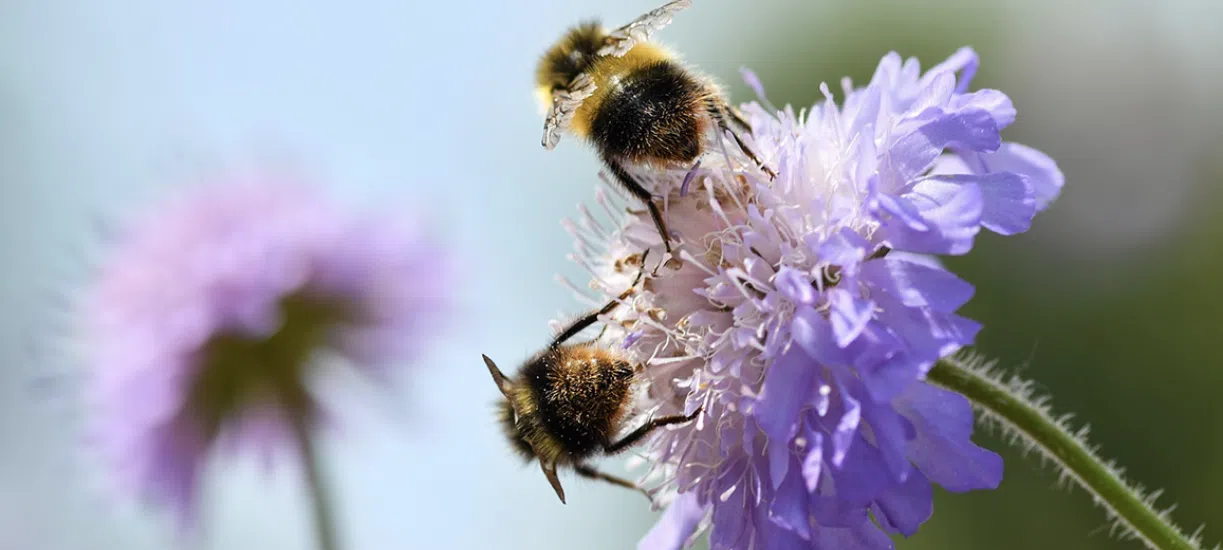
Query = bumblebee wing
x=621 y=40
x=564 y=104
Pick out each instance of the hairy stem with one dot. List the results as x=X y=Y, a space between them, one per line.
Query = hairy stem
x=1011 y=404
x=324 y=518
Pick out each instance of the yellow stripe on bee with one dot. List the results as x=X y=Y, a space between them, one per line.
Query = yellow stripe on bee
x=543 y=96
x=606 y=72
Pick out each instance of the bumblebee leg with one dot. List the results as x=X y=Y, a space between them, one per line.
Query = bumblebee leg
x=737 y=117
x=718 y=109
x=585 y=321
x=636 y=435
x=640 y=192
x=623 y=295
x=591 y=473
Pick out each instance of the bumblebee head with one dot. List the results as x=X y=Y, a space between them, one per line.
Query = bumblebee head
x=569 y=57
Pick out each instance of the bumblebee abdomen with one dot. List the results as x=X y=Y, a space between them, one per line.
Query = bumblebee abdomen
x=509 y=425
x=581 y=392
x=654 y=113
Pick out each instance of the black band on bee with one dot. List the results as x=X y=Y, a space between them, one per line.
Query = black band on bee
x=654 y=113
x=579 y=395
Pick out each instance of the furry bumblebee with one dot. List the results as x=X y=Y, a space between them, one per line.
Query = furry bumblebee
x=568 y=402
x=633 y=100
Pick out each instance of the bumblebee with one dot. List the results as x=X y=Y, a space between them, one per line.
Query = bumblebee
x=568 y=402
x=633 y=100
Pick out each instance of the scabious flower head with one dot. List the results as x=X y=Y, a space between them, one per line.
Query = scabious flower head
x=212 y=312
x=803 y=313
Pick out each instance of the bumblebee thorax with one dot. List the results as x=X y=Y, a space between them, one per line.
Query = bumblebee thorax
x=609 y=74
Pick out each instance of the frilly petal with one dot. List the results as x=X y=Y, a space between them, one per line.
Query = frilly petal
x=788 y=387
x=789 y=508
x=863 y=535
x=948 y=220
x=943 y=450
x=1040 y=171
x=903 y=508
x=917 y=285
x=912 y=153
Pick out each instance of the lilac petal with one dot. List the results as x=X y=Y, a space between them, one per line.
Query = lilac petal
x=788 y=386
x=890 y=437
x=925 y=260
x=862 y=536
x=917 y=285
x=858 y=480
x=676 y=525
x=964 y=59
x=846 y=429
x=888 y=66
x=972 y=129
x=753 y=82
x=174 y=474
x=794 y=285
x=771 y=535
x=1041 y=172
x=903 y=211
x=828 y=511
x=994 y=102
x=843 y=248
x=935 y=192
x=912 y=153
x=874 y=345
x=813 y=333
x=729 y=510
x=779 y=459
x=934 y=94
x=814 y=462
x=789 y=507
x=928 y=334
x=255 y=318
x=904 y=507
x=1009 y=203
x=943 y=449
x=848 y=315
x=886 y=380
x=951 y=224
x=863 y=124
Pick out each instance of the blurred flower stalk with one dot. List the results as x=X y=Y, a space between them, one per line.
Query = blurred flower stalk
x=810 y=320
x=215 y=313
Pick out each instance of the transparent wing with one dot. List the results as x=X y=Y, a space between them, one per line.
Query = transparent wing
x=621 y=40
x=564 y=104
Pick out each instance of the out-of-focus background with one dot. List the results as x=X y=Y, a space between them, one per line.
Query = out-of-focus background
x=1112 y=302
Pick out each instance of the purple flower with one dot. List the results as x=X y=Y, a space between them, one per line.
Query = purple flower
x=215 y=310
x=802 y=314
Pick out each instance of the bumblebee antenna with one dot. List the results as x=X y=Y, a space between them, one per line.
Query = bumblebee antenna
x=502 y=383
x=550 y=473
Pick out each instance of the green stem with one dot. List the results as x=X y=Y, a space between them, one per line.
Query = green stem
x=324 y=518
x=1011 y=404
